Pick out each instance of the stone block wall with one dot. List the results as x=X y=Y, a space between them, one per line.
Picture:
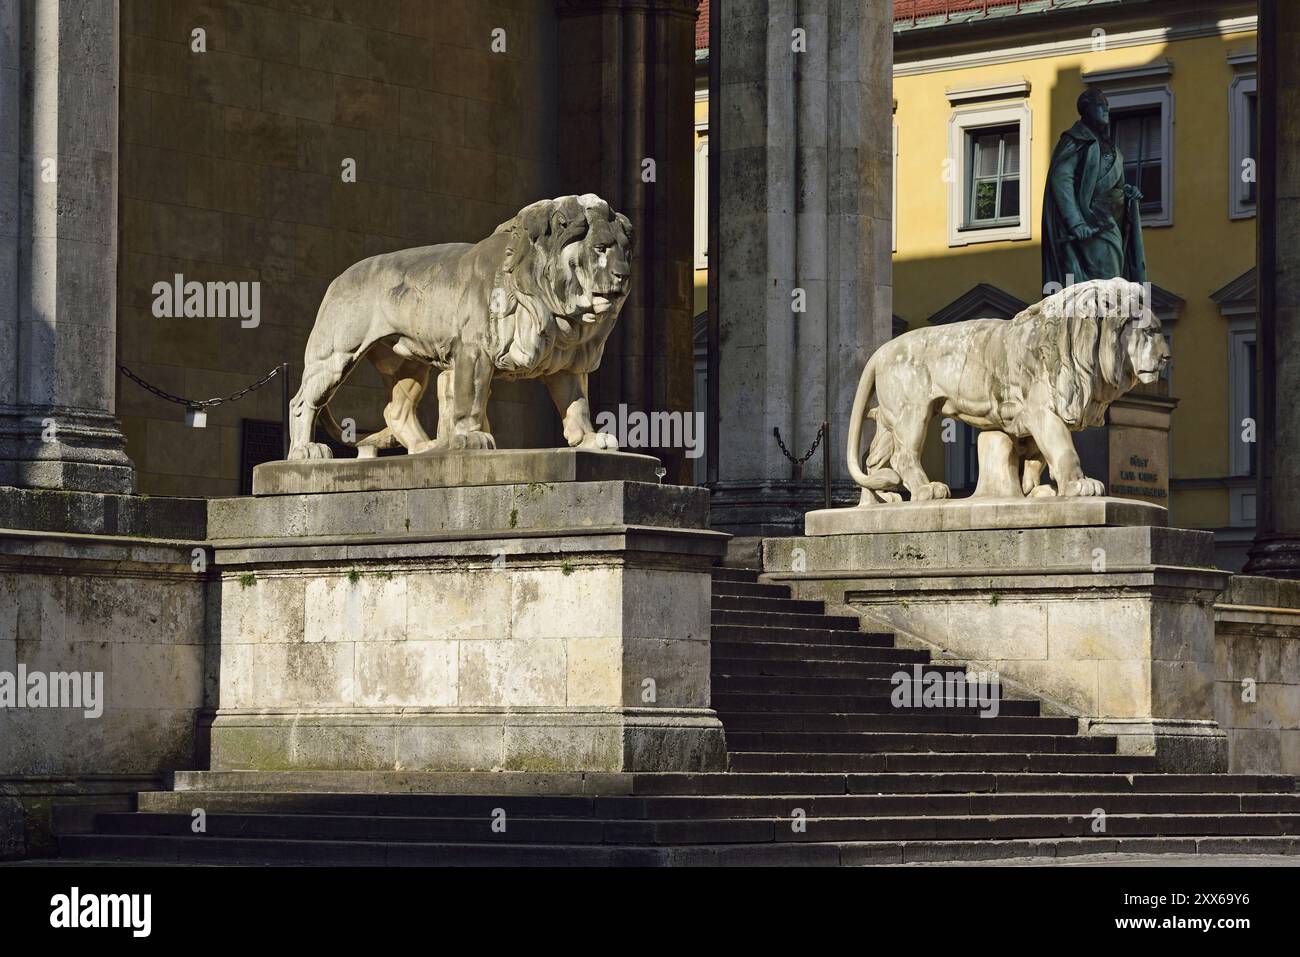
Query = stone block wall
x=1257 y=673
x=533 y=627
x=100 y=586
x=232 y=170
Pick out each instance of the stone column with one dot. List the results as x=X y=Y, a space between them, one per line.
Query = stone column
x=803 y=138
x=1276 y=551
x=58 y=247
x=627 y=80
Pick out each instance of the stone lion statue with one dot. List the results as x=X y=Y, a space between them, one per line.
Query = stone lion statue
x=536 y=299
x=1027 y=383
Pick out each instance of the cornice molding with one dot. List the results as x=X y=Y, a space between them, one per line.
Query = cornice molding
x=1082 y=44
x=584 y=8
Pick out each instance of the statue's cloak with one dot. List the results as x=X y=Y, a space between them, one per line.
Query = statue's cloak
x=1077 y=188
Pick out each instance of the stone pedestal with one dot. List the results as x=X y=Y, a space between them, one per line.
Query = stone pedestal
x=1137 y=447
x=526 y=626
x=1086 y=603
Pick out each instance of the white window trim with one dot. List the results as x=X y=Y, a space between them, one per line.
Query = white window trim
x=960 y=123
x=1241 y=333
x=1241 y=506
x=1242 y=86
x=988 y=91
x=1146 y=72
x=702 y=197
x=1162 y=96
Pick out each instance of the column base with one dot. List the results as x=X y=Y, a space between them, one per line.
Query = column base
x=772 y=508
x=74 y=450
x=1274 y=558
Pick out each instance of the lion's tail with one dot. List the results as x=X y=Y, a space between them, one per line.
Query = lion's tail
x=883 y=478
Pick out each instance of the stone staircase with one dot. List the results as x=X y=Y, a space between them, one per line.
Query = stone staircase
x=824 y=770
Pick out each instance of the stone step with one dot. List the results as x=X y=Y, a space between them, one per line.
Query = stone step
x=770 y=787
x=778 y=605
x=899 y=722
x=500 y=854
x=726 y=573
x=820 y=668
x=759 y=703
x=793 y=823
x=869 y=741
x=771 y=619
x=800 y=685
x=755 y=589
x=177 y=819
x=1001 y=762
x=797 y=651
x=801 y=636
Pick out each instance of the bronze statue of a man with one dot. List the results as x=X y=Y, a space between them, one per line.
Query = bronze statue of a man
x=1092 y=224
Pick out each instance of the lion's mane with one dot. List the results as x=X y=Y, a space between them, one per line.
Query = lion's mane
x=1075 y=343
x=535 y=297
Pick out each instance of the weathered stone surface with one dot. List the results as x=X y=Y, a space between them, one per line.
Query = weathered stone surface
x=558 y=626
x=447 y=514
x=536 y=740
x=1113 y=624
x=1257 y=672
x=961 y=514
x=443 y=469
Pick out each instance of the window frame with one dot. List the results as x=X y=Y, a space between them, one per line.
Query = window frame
x=701 y=253
x=972 y=139
x=1241 y=335
x=1132 y=100
x=1243 y=86
x=962 y=124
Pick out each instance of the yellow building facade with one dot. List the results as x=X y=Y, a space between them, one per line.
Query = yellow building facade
x=1180 y=78
x=1181 y=91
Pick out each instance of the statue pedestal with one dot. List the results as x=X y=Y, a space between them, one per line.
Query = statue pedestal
x=537 y=625
x=1087 y=603
x=453 y=470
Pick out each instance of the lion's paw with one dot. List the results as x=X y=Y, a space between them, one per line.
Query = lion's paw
x=1042 y=491
x=473 y=440
x=600 y=441
x=1083 y=487
x=310 y=450
x=931 y=490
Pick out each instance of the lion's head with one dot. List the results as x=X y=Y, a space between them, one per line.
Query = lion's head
x=1094 y=341
x=565 y=275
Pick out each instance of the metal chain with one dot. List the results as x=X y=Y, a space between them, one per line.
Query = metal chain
x=807 y=455
x=200 y=403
